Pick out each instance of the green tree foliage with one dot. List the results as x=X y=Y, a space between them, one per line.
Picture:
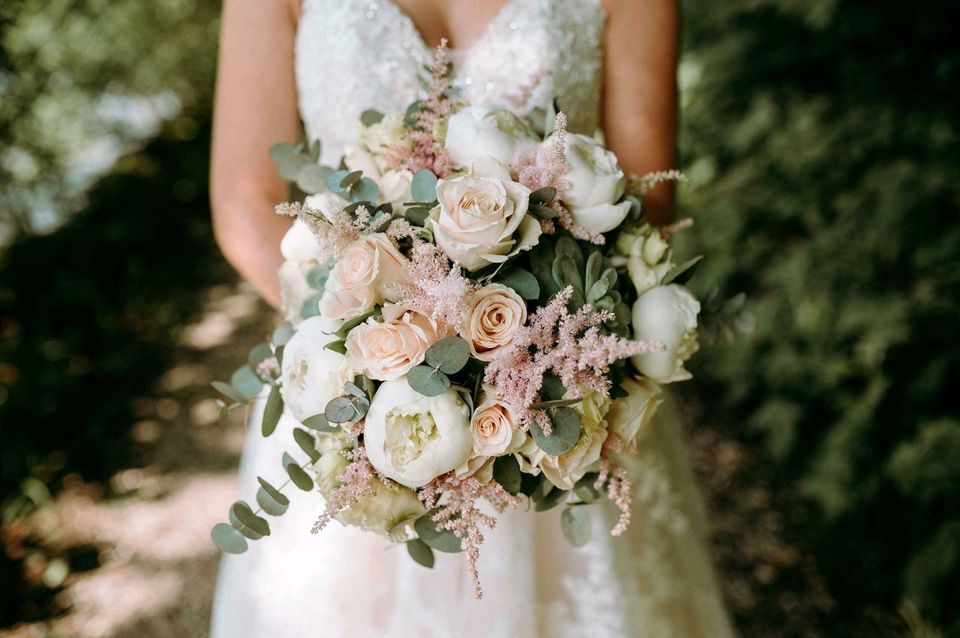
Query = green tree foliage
x=824 y=155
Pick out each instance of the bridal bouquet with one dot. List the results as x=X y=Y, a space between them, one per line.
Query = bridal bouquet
x=476 y=311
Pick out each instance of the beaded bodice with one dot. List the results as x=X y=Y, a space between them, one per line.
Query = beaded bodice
x=353 y=55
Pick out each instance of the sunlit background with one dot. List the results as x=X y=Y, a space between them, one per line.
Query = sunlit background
x=820 y=138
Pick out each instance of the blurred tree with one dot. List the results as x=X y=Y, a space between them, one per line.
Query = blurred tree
x=824 y=157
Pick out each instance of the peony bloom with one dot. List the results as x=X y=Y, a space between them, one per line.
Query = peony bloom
x=366 y=274
x=596 y=183
x=301 y=252
x=568 y=468
x=482 y=218
x=629 y=414
x=667 y=314
x=647 y=256
x=312 y=375
x=495 y=428
x=493 y=316
x=481 y=131
x=412 y=438
x=380 y=512
x=386 y=348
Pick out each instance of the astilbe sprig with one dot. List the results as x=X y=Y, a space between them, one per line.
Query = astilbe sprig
x=619 y=489
x=356 y=481
x=569 y=345
x=457 y=511
x=439 y=289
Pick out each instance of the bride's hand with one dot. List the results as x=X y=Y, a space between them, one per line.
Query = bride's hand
x=255 y=107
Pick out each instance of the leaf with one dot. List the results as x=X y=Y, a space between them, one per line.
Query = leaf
x=334 y=179
x=440 y=540
x=556 y=403
x=552 y=388
x=307 y=443
x=522 y=281
x=449 y=354
x=287 y=159
x=310 y=307
x=370 y=117
x=300 y=478
x=283 y=333
x=312 y=178
x=365 y=190
x=258 y=354
x=337 y=346
x=428 y=381
x=247 y=523
x=317 y=277
x=733 y=305
x=565 y=273
x=417 y=215
x=350 y=324
x=575 y=525
x=568 y=246
x=341 y=410
x=594 y=266
x=228 y=391
x=542 y=211
x=271 y=499
x=228 y=539
x=246 y=382
x=410 y=115
x=319 y=423
x=350 y=179
x=564 y=434
x=352 y=388
x=543 y=195
x=315 y=147
x=681 y=274
x=506 y=472
x=584 y=488
x=272 y=411
x=551 y=499
x=421 y=553
x=423 y=188
x=597 y=291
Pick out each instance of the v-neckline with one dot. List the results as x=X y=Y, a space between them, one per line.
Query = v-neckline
x=461 y=52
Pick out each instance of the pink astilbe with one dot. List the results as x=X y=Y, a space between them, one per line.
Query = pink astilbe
x=439 y=289
x=459 y=514
x=570 y=346
x=619 y=490
x=356 y=481
x=643 y=184
x=336 y=229
x=426 y=151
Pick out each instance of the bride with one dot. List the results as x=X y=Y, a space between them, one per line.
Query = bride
x=611 y=66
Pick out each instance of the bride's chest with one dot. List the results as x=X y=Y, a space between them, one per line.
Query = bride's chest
x=353 y=55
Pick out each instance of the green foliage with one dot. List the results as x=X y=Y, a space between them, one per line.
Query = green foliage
x=575 y=525
x=440 y=540
x=564 y=434
x=824 y=165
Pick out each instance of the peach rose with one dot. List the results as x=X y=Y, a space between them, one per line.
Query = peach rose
x=494 y=427
x=387 y=348
x=366 y=274
x=492 y=318
x=482 y=217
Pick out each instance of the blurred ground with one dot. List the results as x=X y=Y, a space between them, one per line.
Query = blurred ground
x=157 y=565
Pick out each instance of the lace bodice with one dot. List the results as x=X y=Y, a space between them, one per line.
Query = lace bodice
x=353 y=55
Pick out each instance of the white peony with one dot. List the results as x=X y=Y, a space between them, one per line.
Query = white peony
x=481 y=131
x=482 y=217
x=312 y=375
x=667 y=314
x=412 y=438
x=301 y=252
x=596 y=183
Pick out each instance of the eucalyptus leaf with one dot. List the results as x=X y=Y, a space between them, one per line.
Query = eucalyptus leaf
x=341 y=410
x=423 y=188
x=370 y=117
x=229 y=391
x=246 y=382
x=269 y=504
x=310 y=307
x=556 y=403
x=575 y=525
x=506 y=472
x=350 y=179
x=542 y=211
x=543 y=195
x=449 y=354
x=410 y=115
x=258 y=354
x=564 y=434
x=551 y=389
x=334 y=178
x=551 y=499
x=417 y=215
x=315 y=147
x=228 y=539
x=428 y=381
x=272 y=411
x=274 y=493
x=365 y=190
x=299 y=477
x=307 y=443
x=283 y=333
x=681 y=274
x=522 y=281
x=421 y=553
x=249 y=522
x=312 y=178
x=288 y=160
x=317 y=277
x=319 y=423
x=440 y=540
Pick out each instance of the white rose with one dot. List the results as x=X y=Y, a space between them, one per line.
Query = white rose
x=312 y=375
x=357 y=159
x=568 y=468
x=380 y=512
x=482 y=218
x=596 y=183
x=667 y=314
x=629 y=414
x=386 y=348
x=481 y=131
x=412 y=438
x=367 y=273
x=395 y=189
x=494 y=314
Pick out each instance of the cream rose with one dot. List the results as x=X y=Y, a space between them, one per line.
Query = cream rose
x=412 y=438
x=481 y=131
x=482 y=218
x=368 y=271
x=386 y=348
x=312 y=375
x=667 y=314
x=492 y=318
x=495 y=428
x=395 y=188
x=380 y=512
x=596 y=183
x=568 y=468
x=629 y=414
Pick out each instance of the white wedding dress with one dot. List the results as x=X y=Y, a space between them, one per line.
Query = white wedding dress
x=656 y=580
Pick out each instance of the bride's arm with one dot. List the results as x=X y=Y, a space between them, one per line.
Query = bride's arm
x=640 y=92
x=255 y=106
